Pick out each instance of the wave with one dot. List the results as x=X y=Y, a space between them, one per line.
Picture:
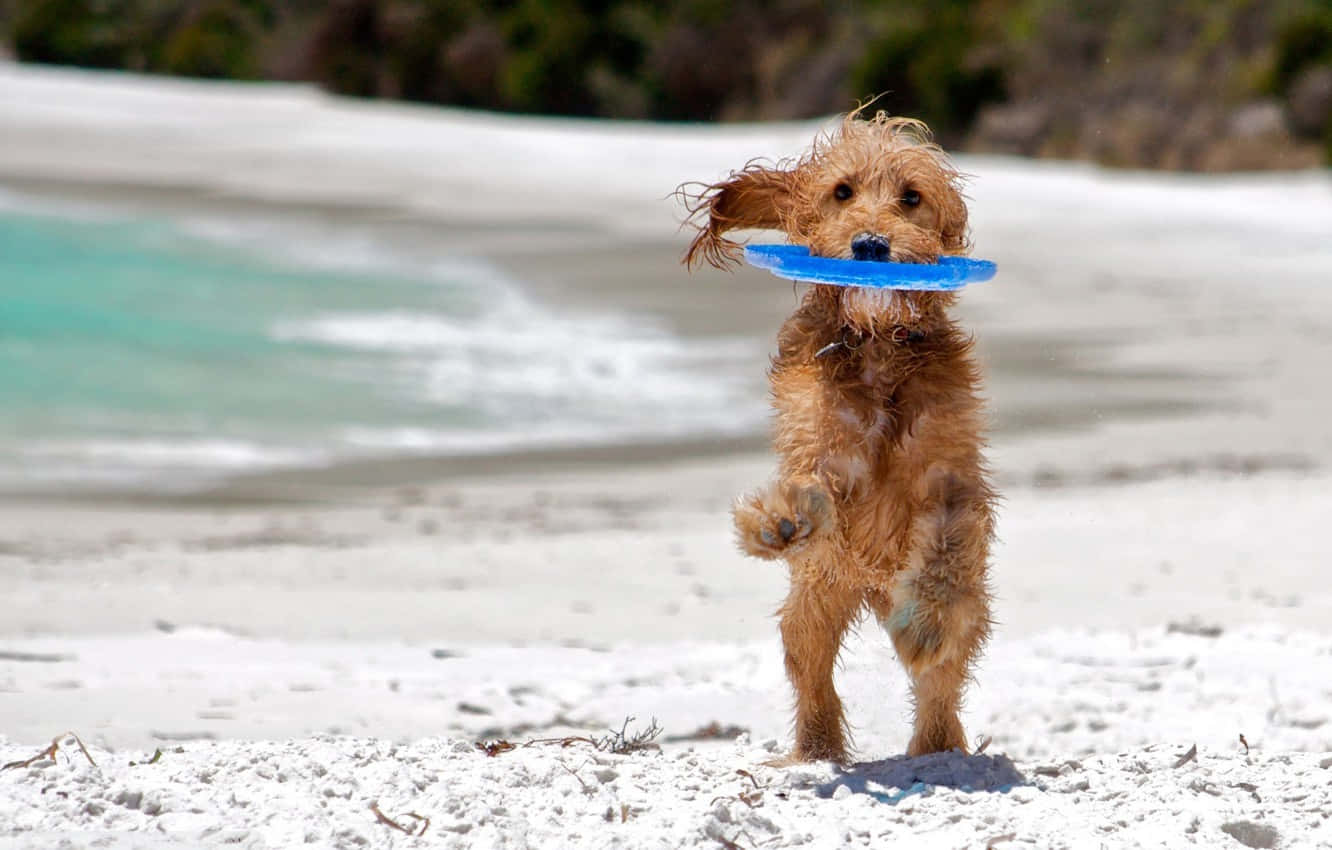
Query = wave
x=204 y=347
x=519 y=350
x=533 y=379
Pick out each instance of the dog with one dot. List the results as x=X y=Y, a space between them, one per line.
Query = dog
x=882 y=499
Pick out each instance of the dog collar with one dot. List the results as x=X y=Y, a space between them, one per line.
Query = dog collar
x=793 y=262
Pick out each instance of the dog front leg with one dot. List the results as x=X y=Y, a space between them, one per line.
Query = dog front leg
x=782 y=518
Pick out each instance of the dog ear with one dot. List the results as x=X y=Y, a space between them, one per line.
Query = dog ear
x=953 y=222
x=756 y=196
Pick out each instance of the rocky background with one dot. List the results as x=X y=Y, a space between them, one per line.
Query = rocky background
x=1201 y=85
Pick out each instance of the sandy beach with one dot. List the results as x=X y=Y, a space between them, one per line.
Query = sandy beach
x=303 y=642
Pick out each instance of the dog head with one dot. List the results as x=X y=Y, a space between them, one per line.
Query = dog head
x=873 y=189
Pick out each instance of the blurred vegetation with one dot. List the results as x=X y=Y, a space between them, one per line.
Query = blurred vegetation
x=1137 y=82
x=1303 y=40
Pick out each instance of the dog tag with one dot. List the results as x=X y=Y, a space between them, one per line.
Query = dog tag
x=793 y=262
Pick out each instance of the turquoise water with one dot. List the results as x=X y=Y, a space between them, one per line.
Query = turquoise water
x=134 y=352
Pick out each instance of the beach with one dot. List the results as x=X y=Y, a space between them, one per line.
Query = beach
x=1154 y=349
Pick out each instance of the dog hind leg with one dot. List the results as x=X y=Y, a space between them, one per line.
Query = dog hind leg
x=938 y=609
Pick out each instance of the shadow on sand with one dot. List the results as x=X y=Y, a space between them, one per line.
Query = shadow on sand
x=894 y=779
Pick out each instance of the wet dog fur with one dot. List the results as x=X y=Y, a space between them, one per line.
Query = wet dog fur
x=882 y=500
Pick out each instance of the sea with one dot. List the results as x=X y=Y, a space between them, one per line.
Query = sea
x=168 y=352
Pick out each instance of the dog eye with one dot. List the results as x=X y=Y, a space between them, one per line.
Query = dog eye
x=843 y=192
x=911 y=198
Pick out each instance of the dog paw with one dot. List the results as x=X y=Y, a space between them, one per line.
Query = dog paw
x=781 y=519
x=937 y=735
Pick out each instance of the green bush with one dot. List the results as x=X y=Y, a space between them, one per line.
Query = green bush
x=1304 y=40
x=218 y=41
x=74 y=32
x=939 y=60
x=922 y=58
x=551 y=43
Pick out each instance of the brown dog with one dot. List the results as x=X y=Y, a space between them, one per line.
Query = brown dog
x=881 y=499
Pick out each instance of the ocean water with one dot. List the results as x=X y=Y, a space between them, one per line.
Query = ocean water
x=147 y=351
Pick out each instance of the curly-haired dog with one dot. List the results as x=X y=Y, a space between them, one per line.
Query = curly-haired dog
x=881 y=499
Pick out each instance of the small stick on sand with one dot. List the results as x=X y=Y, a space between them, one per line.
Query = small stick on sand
x=494 y=748
x=733 y=843
x=390 y=822
x=620 y=743
x=587 y=789
x=1191 y=755
x=421 y=819
x=50 y=752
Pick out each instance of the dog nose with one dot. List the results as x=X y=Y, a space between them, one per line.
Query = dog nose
x=870 y=246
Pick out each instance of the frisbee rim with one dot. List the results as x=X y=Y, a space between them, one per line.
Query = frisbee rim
x=793 y=262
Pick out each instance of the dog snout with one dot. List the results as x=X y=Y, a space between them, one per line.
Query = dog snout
x=870 y=246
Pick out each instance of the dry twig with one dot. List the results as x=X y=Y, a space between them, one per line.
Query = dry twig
x=1191 y=755
x=494 y=748
x=422 y=820
x=753 y=798
x=587 y=789
x=50 y=752
x=733 y=843
x=1250 y=787
x=620 y=743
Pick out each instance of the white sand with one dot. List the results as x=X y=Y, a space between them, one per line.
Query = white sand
x=1092 y=725
x=668 y=624
x=1188 y=486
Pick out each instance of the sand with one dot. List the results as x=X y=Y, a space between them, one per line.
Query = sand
x=1236 y=721
x=303 y=644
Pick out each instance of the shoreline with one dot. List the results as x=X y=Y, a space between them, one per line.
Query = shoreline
x=355 y=480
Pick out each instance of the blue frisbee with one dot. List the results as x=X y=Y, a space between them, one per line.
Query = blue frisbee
x=793 y=262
